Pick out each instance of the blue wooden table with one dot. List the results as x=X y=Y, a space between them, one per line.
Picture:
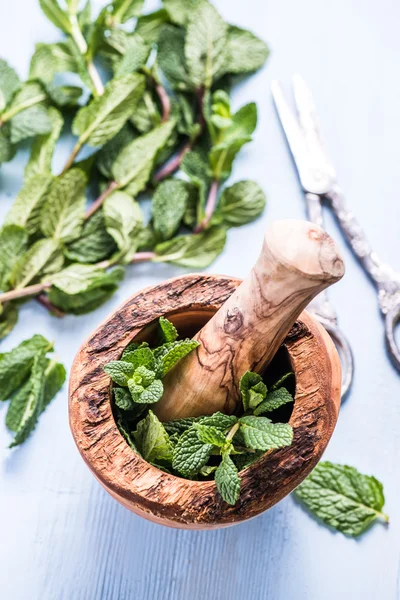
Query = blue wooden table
x=62 y=537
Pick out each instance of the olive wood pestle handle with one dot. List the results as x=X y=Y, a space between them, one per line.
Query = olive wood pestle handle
x=297 y=261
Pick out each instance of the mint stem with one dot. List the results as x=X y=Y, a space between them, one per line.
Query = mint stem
x=72 y=157
x=232 y=431
x=45 y=302
x=165 y=102
x=173 y=164
x=94 y=207
x=210 y=207
x=30 y=290
x=80 y=42
x=143 y=257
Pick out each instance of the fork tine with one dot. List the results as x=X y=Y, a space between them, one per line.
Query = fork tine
x=292 y=129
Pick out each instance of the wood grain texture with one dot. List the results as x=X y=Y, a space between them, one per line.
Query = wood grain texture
x=167 y=499
x=297 y=261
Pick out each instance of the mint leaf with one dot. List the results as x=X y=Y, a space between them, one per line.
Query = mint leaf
x=9 y=83
x=54 y=378
x=195 y=251
x=171 y=57
x=242 y=461
x=44 y=256
x=94 y=243
x=134 y=164
x=252 y=389
x=127 y=52
x=76 y=278
x=125 y=431
x=27 y=114
x=228 y=480
x=246 y=52
x=239 y=204
x=123 y=10
x=43 y=147
x=64 y=96
x=119 y=371
x=190 y=453
x=123 y=219
x=8 y=319
x=175 y=353
x=342 y=497
x=17 y=406
x=96 y=123
x=259 y=433
x=63 y=214
x=206 y=47
x=7 y=149
x=149 y=26
x=34 y=403
x=180 y=10
x=178 y=426
x=108 y=154
x=26 y=209
x=168 y=207
x=140 y=357
x=123 y=399
x=273 y=400
x=210 y=435
x=13 y=241
x=152 y=439
x=49 y=59
x=56 y=15
x=146 y=394
x=100 y=288
x=219 y=420
x=168 y=330
x=281 y=381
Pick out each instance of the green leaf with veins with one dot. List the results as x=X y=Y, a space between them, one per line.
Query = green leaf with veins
x=27 y=115
x=169 y=332
x=259 y=433
x=123 y=219
x=94 y=243
x=8 y=318
x=120 y=371
x=49 y=59
x=17 y=406
x=123 y=10
x=210 y=435
x=9 y=83
x=175 y=353
x=219 y=420
x=7 y=149
x=242 y=461
x=64 y=95
x=152 y=439
x=146 y=395
x=133 y=346
x=246 y=52
x=149 y=26
x=206 y=47
x=56 y=15
x=98 y=292
x=76 y=278
x=194 y=251
x=197 y=167
x=343 y=498
x=27 y=206
x=239 y=204
x=44 y=256
x=34 y=403
x=54 y=378
x=186 y=111
x=16 y=365
x=110 y=151
x=228 y=480
x=282 y=380
x=142 y=356
x=123 y=399
x=178 y=426
x=134 y=52
x=132 y=168
x=43 y=147
x=252 y=389
x=168 y=207
x=63 y=214
x=147 y=115
x=190 y=453
x=13 y=242
x=171 y=57
x=99 y=121
x=125 y=430
x=179 y=10
x=274 y=399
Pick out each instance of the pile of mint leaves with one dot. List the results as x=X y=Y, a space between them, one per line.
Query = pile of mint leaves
x=218 y=445
x=151 y=95
x=30 y=379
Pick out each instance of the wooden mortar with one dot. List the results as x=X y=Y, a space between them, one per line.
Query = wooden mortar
x=190 y=302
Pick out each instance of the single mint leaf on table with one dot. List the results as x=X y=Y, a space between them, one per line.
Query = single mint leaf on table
x=273 y=400
x=152 y=439
x=63 y=213
x=246 y=52
x=206 y=47
x=13 y=242
x=15 y=365
x=168 y=330
x=259 y=433
x=26 y=209
x=34 y=401
x=98 y=122
x=8 y=319
x=54 y=378
x=239 y=204
x=342 y=497
x=168 y=207
x=17 y=406
x=196 y=251
x=228 y=480
x=190 y=453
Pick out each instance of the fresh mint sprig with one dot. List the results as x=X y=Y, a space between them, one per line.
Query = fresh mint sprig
x=161 y=103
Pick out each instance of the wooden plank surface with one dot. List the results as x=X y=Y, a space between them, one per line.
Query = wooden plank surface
x=62 y=536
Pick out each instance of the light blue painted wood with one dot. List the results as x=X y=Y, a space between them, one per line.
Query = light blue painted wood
x=62 y=536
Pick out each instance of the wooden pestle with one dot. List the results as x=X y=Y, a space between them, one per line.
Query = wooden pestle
x=298 y=260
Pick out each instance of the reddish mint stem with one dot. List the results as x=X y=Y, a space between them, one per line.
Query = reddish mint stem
x=99 y=202
x=165 y=102
x=45 y=302
x=173 y=165
x=143 y=257
x=210 y=207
